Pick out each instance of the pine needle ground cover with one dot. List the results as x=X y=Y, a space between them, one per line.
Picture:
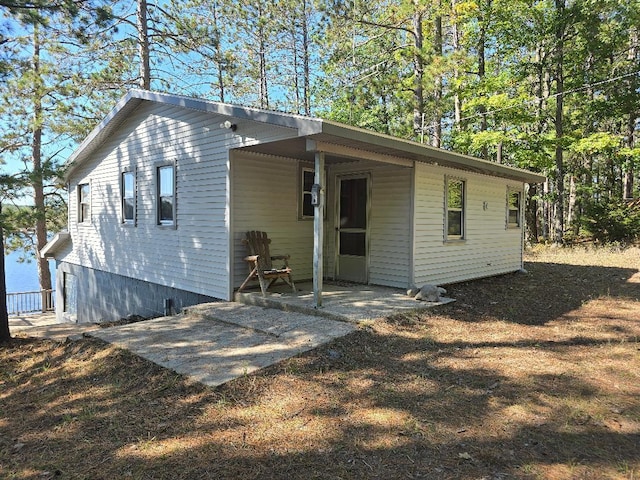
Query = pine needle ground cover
x=532 y=376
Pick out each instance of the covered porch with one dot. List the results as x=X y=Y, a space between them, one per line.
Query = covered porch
x=343 y=216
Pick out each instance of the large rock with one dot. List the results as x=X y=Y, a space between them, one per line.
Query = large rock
x=430 y=293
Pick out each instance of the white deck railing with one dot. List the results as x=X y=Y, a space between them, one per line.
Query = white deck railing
x=31 y=302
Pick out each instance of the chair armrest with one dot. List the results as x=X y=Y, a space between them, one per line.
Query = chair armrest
x=251 y=258
x=280 y=257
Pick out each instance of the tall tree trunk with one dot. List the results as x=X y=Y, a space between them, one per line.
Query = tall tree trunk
x=306 y=70
x=543 y=92
x=627 y=181
x=481 y=73
x=418 y=70
x=543 y=89
x=264 y=93
x=219 y=55
x=546 y=210
x=531 y=214
x=37 y=182
x=436 y=138
x=632 y=56
x=5 y=334
x=558 y=220
x=571 y=209
x=296 y=76
x=386 y=118
x=457 y=102
x=143 y=45
x=262 y=59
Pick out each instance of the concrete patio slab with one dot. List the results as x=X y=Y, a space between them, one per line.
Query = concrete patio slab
x=22 y=321
x=217 y=342
x=45 y=325
x=340 y=301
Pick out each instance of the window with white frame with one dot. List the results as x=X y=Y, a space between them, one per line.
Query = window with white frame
x=455 y=208
x=166 y=194
x=514 y=201
x=306 y=179
x=128 y=194
x=84 y=203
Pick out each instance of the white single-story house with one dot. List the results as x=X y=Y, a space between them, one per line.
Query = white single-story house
x=162 y=192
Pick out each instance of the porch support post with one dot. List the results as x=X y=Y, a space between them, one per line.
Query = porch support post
x=318 y=230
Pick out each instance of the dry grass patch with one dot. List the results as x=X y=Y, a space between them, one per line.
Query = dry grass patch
x=526 y=376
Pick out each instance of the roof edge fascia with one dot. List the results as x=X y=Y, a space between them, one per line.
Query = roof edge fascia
x=59 y=239
x=135 y=96
x=71 y=163
x=430 y=154
x=282 y=119
x=305 y=126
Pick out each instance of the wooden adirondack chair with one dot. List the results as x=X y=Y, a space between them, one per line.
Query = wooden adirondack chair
x=260 y=263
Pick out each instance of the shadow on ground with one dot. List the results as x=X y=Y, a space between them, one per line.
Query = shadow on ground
x=547 y=292
x=400 y=399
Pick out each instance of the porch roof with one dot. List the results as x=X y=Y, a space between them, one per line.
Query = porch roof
x=308 y=135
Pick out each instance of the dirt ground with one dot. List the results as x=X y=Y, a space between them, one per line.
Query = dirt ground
x=527 y=376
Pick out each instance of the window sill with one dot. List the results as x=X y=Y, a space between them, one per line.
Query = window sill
x=167 y=226
x=455 y=241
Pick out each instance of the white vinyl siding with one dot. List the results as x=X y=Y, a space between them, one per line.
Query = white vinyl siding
x=390 y=226
x=488 y=249
x=193 y=257
x=265 y=191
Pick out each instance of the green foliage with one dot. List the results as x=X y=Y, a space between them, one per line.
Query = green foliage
x=599 y=142
x=486 y=85
x=612 y=221
x=50 y=99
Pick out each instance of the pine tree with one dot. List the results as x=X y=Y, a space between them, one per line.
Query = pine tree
x=41 y=91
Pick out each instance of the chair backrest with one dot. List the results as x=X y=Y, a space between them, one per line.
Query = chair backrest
x=258 y=244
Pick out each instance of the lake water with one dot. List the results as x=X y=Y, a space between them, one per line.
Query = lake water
x=23 y=277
